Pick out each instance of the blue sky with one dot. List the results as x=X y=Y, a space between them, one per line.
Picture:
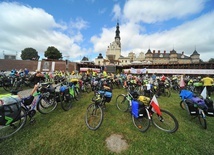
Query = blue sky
x=80 y=28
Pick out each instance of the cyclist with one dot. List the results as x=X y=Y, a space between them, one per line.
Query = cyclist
x=208 y=82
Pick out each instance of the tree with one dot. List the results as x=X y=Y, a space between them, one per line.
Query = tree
x=29 y=54
x=211 y=60
x=53 y=53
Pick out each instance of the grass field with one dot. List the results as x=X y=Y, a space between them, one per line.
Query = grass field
x=65 y=133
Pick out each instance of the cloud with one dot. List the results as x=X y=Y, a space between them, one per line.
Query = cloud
x=22 y=26
x=116 y=11
x=156 y=11
x=188 y=35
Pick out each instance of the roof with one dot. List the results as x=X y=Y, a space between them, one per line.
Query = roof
x=195 y=53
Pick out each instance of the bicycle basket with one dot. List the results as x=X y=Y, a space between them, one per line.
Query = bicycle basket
x=10 y=112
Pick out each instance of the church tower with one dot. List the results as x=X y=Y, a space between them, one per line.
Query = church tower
x=114 y=49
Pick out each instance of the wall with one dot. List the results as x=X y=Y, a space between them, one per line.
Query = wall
x=8 y=64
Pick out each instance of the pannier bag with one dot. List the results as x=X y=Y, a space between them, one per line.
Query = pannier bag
x=107 y=95
x=10 y=109
x=210 y=105
x=66 y=92
x=192 y=107
x=28 y=100
x=138 y=109
x=200 y=103
x=145 y=100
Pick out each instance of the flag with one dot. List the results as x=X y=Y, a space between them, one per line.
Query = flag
x=182 y=83
x=155 y=105
x=204 y=93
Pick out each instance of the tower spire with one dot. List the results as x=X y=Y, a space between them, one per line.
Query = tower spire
x=117 y=32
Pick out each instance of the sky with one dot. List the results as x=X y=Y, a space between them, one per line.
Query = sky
x=79 y=28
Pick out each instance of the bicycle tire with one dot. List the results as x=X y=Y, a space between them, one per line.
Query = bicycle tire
x=66 y=103
x=167 y=122
x=122 y=103
x=142 y=123
x=7 y=87
x=94 y=116
x=46 y=105
x=11 y=129
x=202 y=120
x=167 y=92
x=183 y=105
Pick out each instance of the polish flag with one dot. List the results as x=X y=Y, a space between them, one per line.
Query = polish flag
x=182 y=83
x=204 y=93
x=155 y=105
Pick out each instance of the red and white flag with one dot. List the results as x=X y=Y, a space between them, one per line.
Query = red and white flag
x=182 y=83
x=155 y=105
x=204 y=93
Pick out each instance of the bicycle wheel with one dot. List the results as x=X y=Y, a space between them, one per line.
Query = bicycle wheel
x=7 y=86
x=12 y=128
x=167 y=92
x=142 y=123
x=166 y=122
x=94 y=116
x=183 y=105
x=66 y=102
x=202 y=120
x=46 y=105
x=122 y=103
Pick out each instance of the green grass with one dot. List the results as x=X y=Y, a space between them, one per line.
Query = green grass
x=65 y=133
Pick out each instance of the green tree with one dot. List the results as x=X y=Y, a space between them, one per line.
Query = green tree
x=53 y=53
x=211 y=60
x=29 y=54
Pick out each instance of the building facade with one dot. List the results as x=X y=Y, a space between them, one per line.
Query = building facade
x=113 y=55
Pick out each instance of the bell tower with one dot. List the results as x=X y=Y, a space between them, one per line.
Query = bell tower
x=114 y=49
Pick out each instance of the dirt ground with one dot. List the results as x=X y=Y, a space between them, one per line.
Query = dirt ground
x=116 y=143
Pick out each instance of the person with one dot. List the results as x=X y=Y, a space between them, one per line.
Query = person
x=26 y=71
x=208 y=83
x=38 y=77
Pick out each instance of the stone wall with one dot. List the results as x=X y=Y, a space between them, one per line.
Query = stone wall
x=31 y=65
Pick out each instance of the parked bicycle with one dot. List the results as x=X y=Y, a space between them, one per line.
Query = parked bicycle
x=195 y=107
x=94 y=113
x=14 y=115
x=143 y=114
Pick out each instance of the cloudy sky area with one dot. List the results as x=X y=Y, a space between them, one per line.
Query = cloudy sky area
x=80 y=28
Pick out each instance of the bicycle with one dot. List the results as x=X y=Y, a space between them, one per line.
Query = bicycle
x=143 y=115
x=196 y=112
x=63 y=96
x=194 y=109
x=94 y=114
x=147 y=114
x=123 y=101
x=14 y=116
